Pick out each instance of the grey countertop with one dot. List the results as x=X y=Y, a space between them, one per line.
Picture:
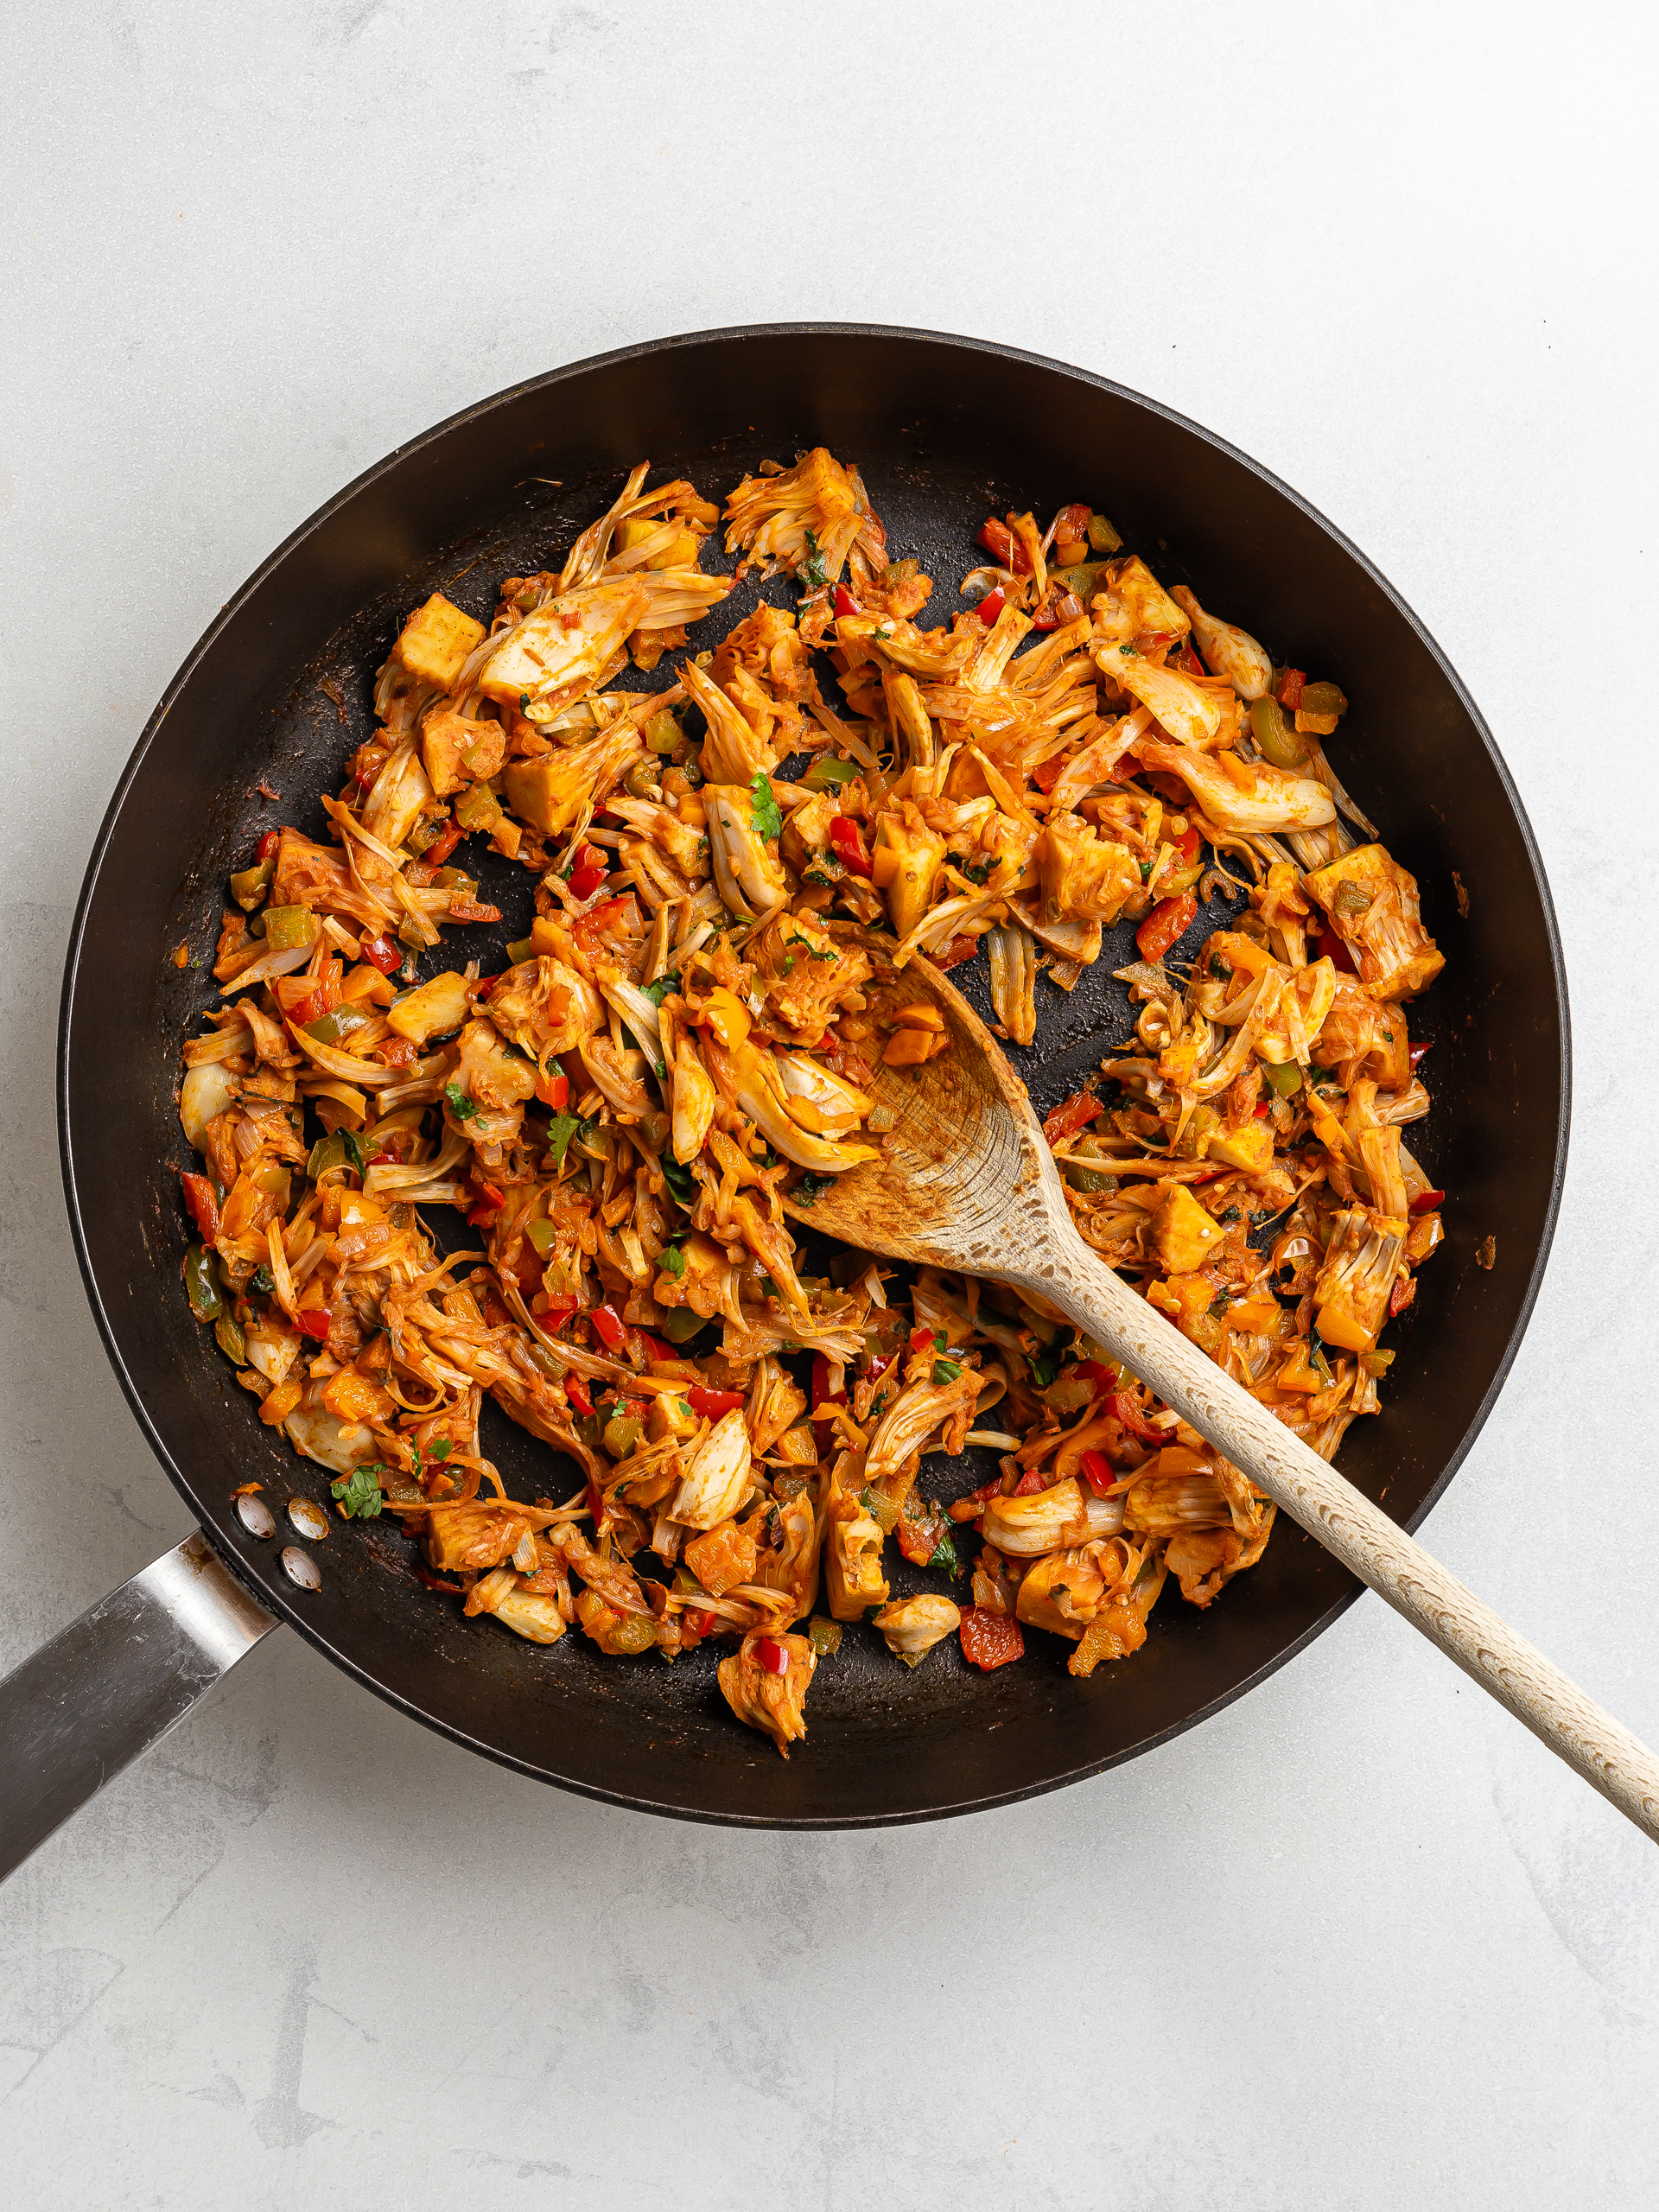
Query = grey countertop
x=1358 y=1941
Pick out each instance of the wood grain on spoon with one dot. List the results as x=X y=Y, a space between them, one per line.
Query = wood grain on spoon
x=967 y=1182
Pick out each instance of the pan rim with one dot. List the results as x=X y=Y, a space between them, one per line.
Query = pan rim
x=633 y=1800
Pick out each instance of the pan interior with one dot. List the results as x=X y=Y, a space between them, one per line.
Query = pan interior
x=279 y=692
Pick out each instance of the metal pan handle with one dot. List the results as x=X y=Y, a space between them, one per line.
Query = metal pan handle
x=112 y=1683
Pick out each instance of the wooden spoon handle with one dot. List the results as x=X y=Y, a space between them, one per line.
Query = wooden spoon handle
x=1348 y=1524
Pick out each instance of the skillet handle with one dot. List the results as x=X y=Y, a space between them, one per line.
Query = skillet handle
x=83 y=1707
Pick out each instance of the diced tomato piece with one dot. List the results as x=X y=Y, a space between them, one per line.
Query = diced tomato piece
x=1029 y=1484
x=441 y=846
x=316 y=1323
x=921 y=1340
x=990 y=1640
x=1425 y=1201
x=694 y=1627
x=843 y=601
x=1093 y=1371
x=489 y=1199
x=1164 y=924
x=590 y=870
x=849 y=847
x=382 y=953
x=1071 y=523
x=1046 y=773
x=608 y=1327
x=266 y=849
x=380 y=1159
x=711 y=1404
x=203 y=1205
x=771 y=1654
x=1414 y=1053
x=992 y=605
x=1048 y=616
x=1261 y=1110
x=1000 y=543
x=1186 y=660
x=958 y=949
x=575 y=1393
x=1097 y=1471
x=1291 y=684
x=1123 y=1410
x=1405 y=1289
x=1329 y=946
x=1078 y=1111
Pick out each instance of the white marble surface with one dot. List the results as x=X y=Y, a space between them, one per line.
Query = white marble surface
x=1358 y=1941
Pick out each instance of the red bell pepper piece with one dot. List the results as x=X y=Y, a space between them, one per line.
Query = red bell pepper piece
x=265 y=849
x=1097 y=1471
x=435 y=1581
x=1426 y=1201
x=203 y=1205
x=382 y=953
x=553 y=1091
x=558 y=1312
x=1028 y=1485
x=771 y=1654
x=1071 y=523
x=442 y=845
x=575 y=1394
x=694 y=1627
x=589 y=872
x=711 y=1404
x=1164 y=924
x=1405 y=1289
x=958 y=949
x=992 y=605
x=848 y=839
x=843 y=601
x=1078 y=1111
x=1291 y=684
x=1047 y=615
x=1093 y=1371
x=316 y=1323
x=608 y=1327
x=921 y=1340
x=1186 y=660
x=1414 y=1053
x=990 y=1640
x=1187 y=846
x=1261 y=1110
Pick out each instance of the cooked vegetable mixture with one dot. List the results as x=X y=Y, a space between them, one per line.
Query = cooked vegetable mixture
x=685 y=1037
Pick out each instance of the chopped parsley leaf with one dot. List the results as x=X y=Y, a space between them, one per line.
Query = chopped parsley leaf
x=764 y=816
x=359 y=1494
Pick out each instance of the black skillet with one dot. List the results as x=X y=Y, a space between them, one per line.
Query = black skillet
x=945 y=430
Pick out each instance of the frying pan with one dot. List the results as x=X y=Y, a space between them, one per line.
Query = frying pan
x=944 y=429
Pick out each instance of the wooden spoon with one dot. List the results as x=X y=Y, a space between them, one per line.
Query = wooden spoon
x=967 y=1182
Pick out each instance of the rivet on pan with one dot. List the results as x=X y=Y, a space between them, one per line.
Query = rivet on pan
x=307 y=1518
x=300 y=1567
x=256 y=1517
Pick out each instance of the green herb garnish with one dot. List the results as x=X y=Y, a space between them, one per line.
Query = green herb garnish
x=764 y=816
x=359 y=1493
x=461 y=1105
